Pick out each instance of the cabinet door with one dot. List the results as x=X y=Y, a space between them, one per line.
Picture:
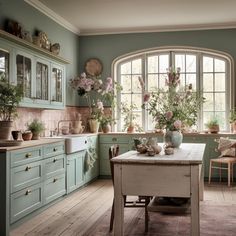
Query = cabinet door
x=57 y=84
x=91 y=159
x=104 y=156
x=75 y=171
x=42 y=81
x=4 y=64
x=24 y=73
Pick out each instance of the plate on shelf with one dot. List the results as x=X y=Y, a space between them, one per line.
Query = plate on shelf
x=10 y=143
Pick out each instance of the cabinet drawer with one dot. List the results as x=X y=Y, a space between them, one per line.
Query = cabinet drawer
x=193 y=139
x=54 y=149
x=113 y=139
x=26 y=155
x=25 y=202
x=54 y=187
x=54 y=165
x=25 y=175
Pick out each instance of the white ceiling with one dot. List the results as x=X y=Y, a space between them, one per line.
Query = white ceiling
x=120 y=16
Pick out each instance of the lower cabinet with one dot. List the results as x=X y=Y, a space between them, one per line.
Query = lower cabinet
x=25 y=201
x=75 y=170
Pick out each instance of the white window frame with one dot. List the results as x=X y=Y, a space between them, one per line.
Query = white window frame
x=199 y=52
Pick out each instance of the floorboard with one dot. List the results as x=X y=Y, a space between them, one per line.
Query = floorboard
x=85 y=211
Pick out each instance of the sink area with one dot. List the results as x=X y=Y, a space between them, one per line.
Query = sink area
x=74 y=142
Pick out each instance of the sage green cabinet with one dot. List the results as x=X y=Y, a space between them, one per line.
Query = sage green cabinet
x=75 y=170
x=91 y=162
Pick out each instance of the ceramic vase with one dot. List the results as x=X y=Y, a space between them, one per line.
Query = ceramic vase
x=5 y=129
x=93 y=125
x=173 y=138
x=106 y=128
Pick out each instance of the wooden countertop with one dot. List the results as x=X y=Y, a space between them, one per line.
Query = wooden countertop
x=188 y=153
x=32 y=143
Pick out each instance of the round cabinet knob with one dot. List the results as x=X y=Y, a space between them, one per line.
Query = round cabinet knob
x=54 y=160
x=28 y=192
x=27 y=155
x=85 y=141
x=54 y=149
x=54 y=180
x=28 y=168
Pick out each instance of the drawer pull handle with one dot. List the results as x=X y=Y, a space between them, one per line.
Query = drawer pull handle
x=28 y=168
x=55 y=180
x=85 y=141
x=27 y=155
x=114 y=139
x=28 y=192
x=54 y=160
x=54 y=149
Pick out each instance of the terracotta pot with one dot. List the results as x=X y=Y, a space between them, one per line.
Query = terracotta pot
x=27 y=136
x=106 y=128
x=214 y=129
x=93 y=125
x=130 y=129
x=5 y=129
x=36 y=136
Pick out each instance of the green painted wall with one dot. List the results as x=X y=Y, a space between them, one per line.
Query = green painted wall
x=32 y=20
x=109 y=47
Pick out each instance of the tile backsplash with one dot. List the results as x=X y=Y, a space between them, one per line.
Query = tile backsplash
x=50 y=117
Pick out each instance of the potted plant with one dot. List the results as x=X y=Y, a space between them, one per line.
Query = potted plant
x=10 y=97
x=232 y=120
x=213 y=125
x=130 y=123
x=105 y=122
x=36 y=127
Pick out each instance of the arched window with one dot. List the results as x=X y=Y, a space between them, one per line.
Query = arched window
x=209 y=72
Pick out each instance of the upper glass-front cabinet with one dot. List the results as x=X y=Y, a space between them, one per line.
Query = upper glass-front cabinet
x=24 y=74
x=42 y=80
x=56 y=83
x=4 y=64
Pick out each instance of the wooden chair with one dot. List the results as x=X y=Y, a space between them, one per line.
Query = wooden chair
x=228 y=160
x=142 y=201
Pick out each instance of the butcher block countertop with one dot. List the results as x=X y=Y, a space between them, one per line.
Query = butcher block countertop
x=31 y=143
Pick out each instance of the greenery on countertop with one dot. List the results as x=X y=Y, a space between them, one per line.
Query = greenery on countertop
x=36 y=126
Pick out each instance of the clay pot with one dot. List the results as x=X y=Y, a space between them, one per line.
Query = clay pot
x=106 y=128
x=214 y=129
x=27 y=136
x=5 y=129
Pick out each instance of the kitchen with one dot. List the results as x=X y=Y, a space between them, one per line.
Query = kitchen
x=112 y=47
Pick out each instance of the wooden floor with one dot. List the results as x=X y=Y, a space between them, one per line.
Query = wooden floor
x=77 y=214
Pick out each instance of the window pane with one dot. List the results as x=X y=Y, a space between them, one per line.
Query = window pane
x=221 y=118
x=137 y=100
x=151 y=123
x=190 y=63
x=136 y=66
x=220 y=82
x=163 y=63
x=191 y=79
x=219 y=101
x=219 y=65
x=207 y=64
x=182 y=80
x=206 y=117
x=208 y=82
x=162 y=81
x=180 y=62
x=208 y=104
x=126 y=98
x=136 y=87
x=152 y=82
x=153 y=64
x=126 y=68
x=126 y=83
x=138 y=118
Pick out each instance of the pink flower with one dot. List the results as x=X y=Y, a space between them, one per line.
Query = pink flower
x=100 y=105
x=146 y=97
x=86 y=84
x=169 y=115
x=108 y=85
x=177 y=124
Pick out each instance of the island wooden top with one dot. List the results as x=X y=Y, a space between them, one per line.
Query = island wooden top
x=188 y=153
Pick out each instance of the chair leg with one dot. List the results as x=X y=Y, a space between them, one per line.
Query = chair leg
x=112 y=217
x=209 y=177
x=229 y=167
x=147 y=200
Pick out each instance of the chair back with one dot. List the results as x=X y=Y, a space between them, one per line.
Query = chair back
x=113 y=152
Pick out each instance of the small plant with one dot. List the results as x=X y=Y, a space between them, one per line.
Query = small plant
x=232 y=117
x=10 y=97
x=212 y=122
x=106 y=120
x=36 y=126
x=130 y=117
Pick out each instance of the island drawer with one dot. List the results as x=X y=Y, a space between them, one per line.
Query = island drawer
x=54 y=149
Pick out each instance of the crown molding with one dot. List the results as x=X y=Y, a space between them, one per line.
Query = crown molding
x=190 y=27
x=54 y=16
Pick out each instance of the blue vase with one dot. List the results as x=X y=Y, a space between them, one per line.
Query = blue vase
x=174 y=138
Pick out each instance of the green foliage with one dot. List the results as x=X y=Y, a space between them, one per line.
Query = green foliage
x=212 y=122
x=106 y=119
x=232 y=117
x=10 y=97
x=129 y=117
x=36 y=126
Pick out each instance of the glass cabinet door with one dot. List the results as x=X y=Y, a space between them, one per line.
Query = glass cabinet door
x=42 y=72
x=4 y=64
x=56 y=83
x=24 y=74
